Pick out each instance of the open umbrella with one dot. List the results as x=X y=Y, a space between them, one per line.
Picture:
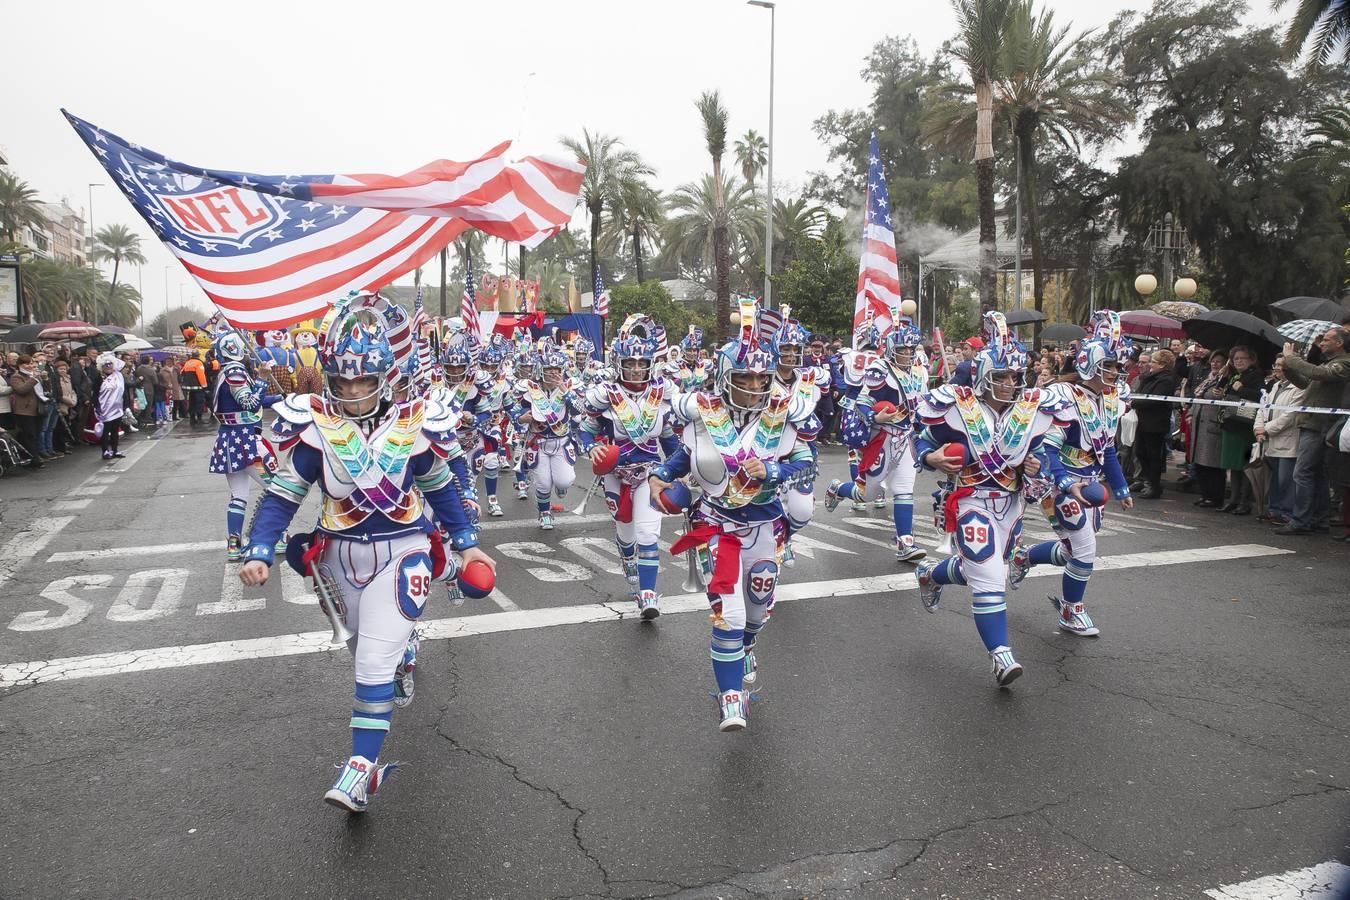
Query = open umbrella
x=23 y=334
x=1181 y=310
x=1024 y=317
x=104 y=343
x=132 y=344
x=68 y=329
x=1145 y=324
x=1291 y=308
x=1222 y=329
x=1304 y=331
x=1062 y=334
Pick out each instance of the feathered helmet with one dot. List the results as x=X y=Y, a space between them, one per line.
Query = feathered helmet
x=749 y=355
x=1107 y=344
x=790 y=340
x=354 y=343
x=902 y=339
x=639 y=338
x=1002 y=353
x=229 y=346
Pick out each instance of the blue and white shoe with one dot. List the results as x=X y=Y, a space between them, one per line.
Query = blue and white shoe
x=357 y=783
x=1006 y=669
x=789 y=556
x=832 y=497
x=1019 y=564
x=522 y=490
x=750 y=673
x=648 y=604
x=403 y=673
x=1074 y=619
x=930 y=592
x=906 y=550
x=546 y=520
x=233 y=549
x=494 y=508
x=734 y=709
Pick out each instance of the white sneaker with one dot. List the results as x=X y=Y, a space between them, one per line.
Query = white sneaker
x=859 y=506
x=1074 y=619
x=494 y=508
x=357 y=783
x=649 y=604
x=522 y=491
x=832 y=497
x=734 y=710
x=906 y=551
x=751 y=671
x=1006 y=669
x=546 y=520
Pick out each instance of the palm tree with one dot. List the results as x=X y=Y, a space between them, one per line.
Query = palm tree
x=119 y=244
x=1330 y=147
x=1327 y=22
x=124 y=306
x=752 y=154
x=714 y=116
x=18 y=207
x=980 y=27
x=795 y=221
x=1046 y=89
x=609 y=166
x=636 y=216
x=689 y=237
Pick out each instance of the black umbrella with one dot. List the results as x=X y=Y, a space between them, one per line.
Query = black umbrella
x=1291 y=308
x=1024 y=317
x=1223 y=329
x=24 y=334
x=1062 y=334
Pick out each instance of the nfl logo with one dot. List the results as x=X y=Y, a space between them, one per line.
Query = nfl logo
x=223 y=214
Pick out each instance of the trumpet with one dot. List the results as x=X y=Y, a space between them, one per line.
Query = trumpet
x=944 y=547
x=581 y=509
x=329 y=592
x=694 y=582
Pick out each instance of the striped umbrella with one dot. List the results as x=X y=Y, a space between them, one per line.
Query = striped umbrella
x=1181 y=310
x=1304 y=331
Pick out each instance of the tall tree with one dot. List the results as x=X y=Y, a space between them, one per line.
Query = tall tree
x=1326 y=23
x=752 y=155
x=820 y=282
x=609 y=166
x=119 y=244
x=794 y=223
x=635 y=219
x=18 y=207
x=980 y=27
x=689 y=244
x=714 y=116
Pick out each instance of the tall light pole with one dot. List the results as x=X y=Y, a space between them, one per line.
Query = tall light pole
x=768 y=168
x=166 y=301
x=89 y=250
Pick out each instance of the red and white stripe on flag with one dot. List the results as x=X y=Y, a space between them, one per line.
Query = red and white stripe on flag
x=878 y=278
x=468 y=307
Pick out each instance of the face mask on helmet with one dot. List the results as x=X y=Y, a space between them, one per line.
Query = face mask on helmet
x=901 y=344
x=745 y=377
x=1097 y=359
x=358 y=366
x=632 y=357
x=1000 y=373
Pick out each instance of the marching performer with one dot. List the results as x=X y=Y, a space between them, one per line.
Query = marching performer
x=989 y=437
x=741 y=443
x=632 y=412
x=542 y=409
x=237 y=403
x=378 y=464
x=883 y=429
x=492 y=391
x=853 y=365
x=1082 y=453
x=792 y=372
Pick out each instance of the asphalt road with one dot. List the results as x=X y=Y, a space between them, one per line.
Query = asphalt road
x=169 y=734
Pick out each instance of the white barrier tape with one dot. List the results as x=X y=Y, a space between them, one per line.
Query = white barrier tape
x=1249 y=403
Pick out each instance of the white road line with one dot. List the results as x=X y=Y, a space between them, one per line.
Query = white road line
x=70 y=505
x=29 y=543
x=232 y=597
x=502 y=601
x=101 y=664
x=851 y=535
x=1326 y=881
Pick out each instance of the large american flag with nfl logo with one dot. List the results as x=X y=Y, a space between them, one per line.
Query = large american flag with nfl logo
x=271 y=250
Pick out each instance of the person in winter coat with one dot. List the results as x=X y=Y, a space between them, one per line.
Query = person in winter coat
x=1244 y=383
x=1325 y=385
x=1206 y=438
x=1275 y=429
x=1155 y=422
x=27 y=400
x=173 y=392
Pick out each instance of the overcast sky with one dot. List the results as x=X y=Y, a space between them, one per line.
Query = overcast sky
x=359 y=87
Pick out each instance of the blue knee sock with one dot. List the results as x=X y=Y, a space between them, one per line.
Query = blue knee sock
x=1047 y=553
x=902 y=509
x=649 y=566
x=1076 y=575
x=627 y=552
x=490 y=479
x=728 y=658
x=371 y=712
x=752 y=630
x=949 y=571
x=234 y=516
x=991 y=618
x=846 y=489
x=541 y=501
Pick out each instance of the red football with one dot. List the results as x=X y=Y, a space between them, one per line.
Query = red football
x=882 y=406
x=1094 y=493
x=609 y=458
x=955 y=452
x=477 y=579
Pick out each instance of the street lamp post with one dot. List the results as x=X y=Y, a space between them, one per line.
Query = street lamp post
x=1168 y=238
x=166 y=301
x=89 y=250
x=768 y=168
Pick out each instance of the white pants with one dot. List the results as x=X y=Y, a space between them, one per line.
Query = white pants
x=645 y=527
x=986 y=532
x=385 y=585
x=1076 y=524
x=552 y=467
x=893 y=473
x=240 y=482
x=799 y=508
x=753 y=597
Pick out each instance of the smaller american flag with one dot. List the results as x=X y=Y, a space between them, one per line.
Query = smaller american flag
x=878 y=272
x=419 y=319
x=600 y=305
x=468 y=305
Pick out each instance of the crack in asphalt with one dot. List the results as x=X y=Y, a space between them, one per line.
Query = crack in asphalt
x=1078 y=839
x=1322 y=788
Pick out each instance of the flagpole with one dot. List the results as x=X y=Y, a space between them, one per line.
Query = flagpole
x=444 y=252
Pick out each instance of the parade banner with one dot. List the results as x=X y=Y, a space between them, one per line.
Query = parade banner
x=271 y=250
